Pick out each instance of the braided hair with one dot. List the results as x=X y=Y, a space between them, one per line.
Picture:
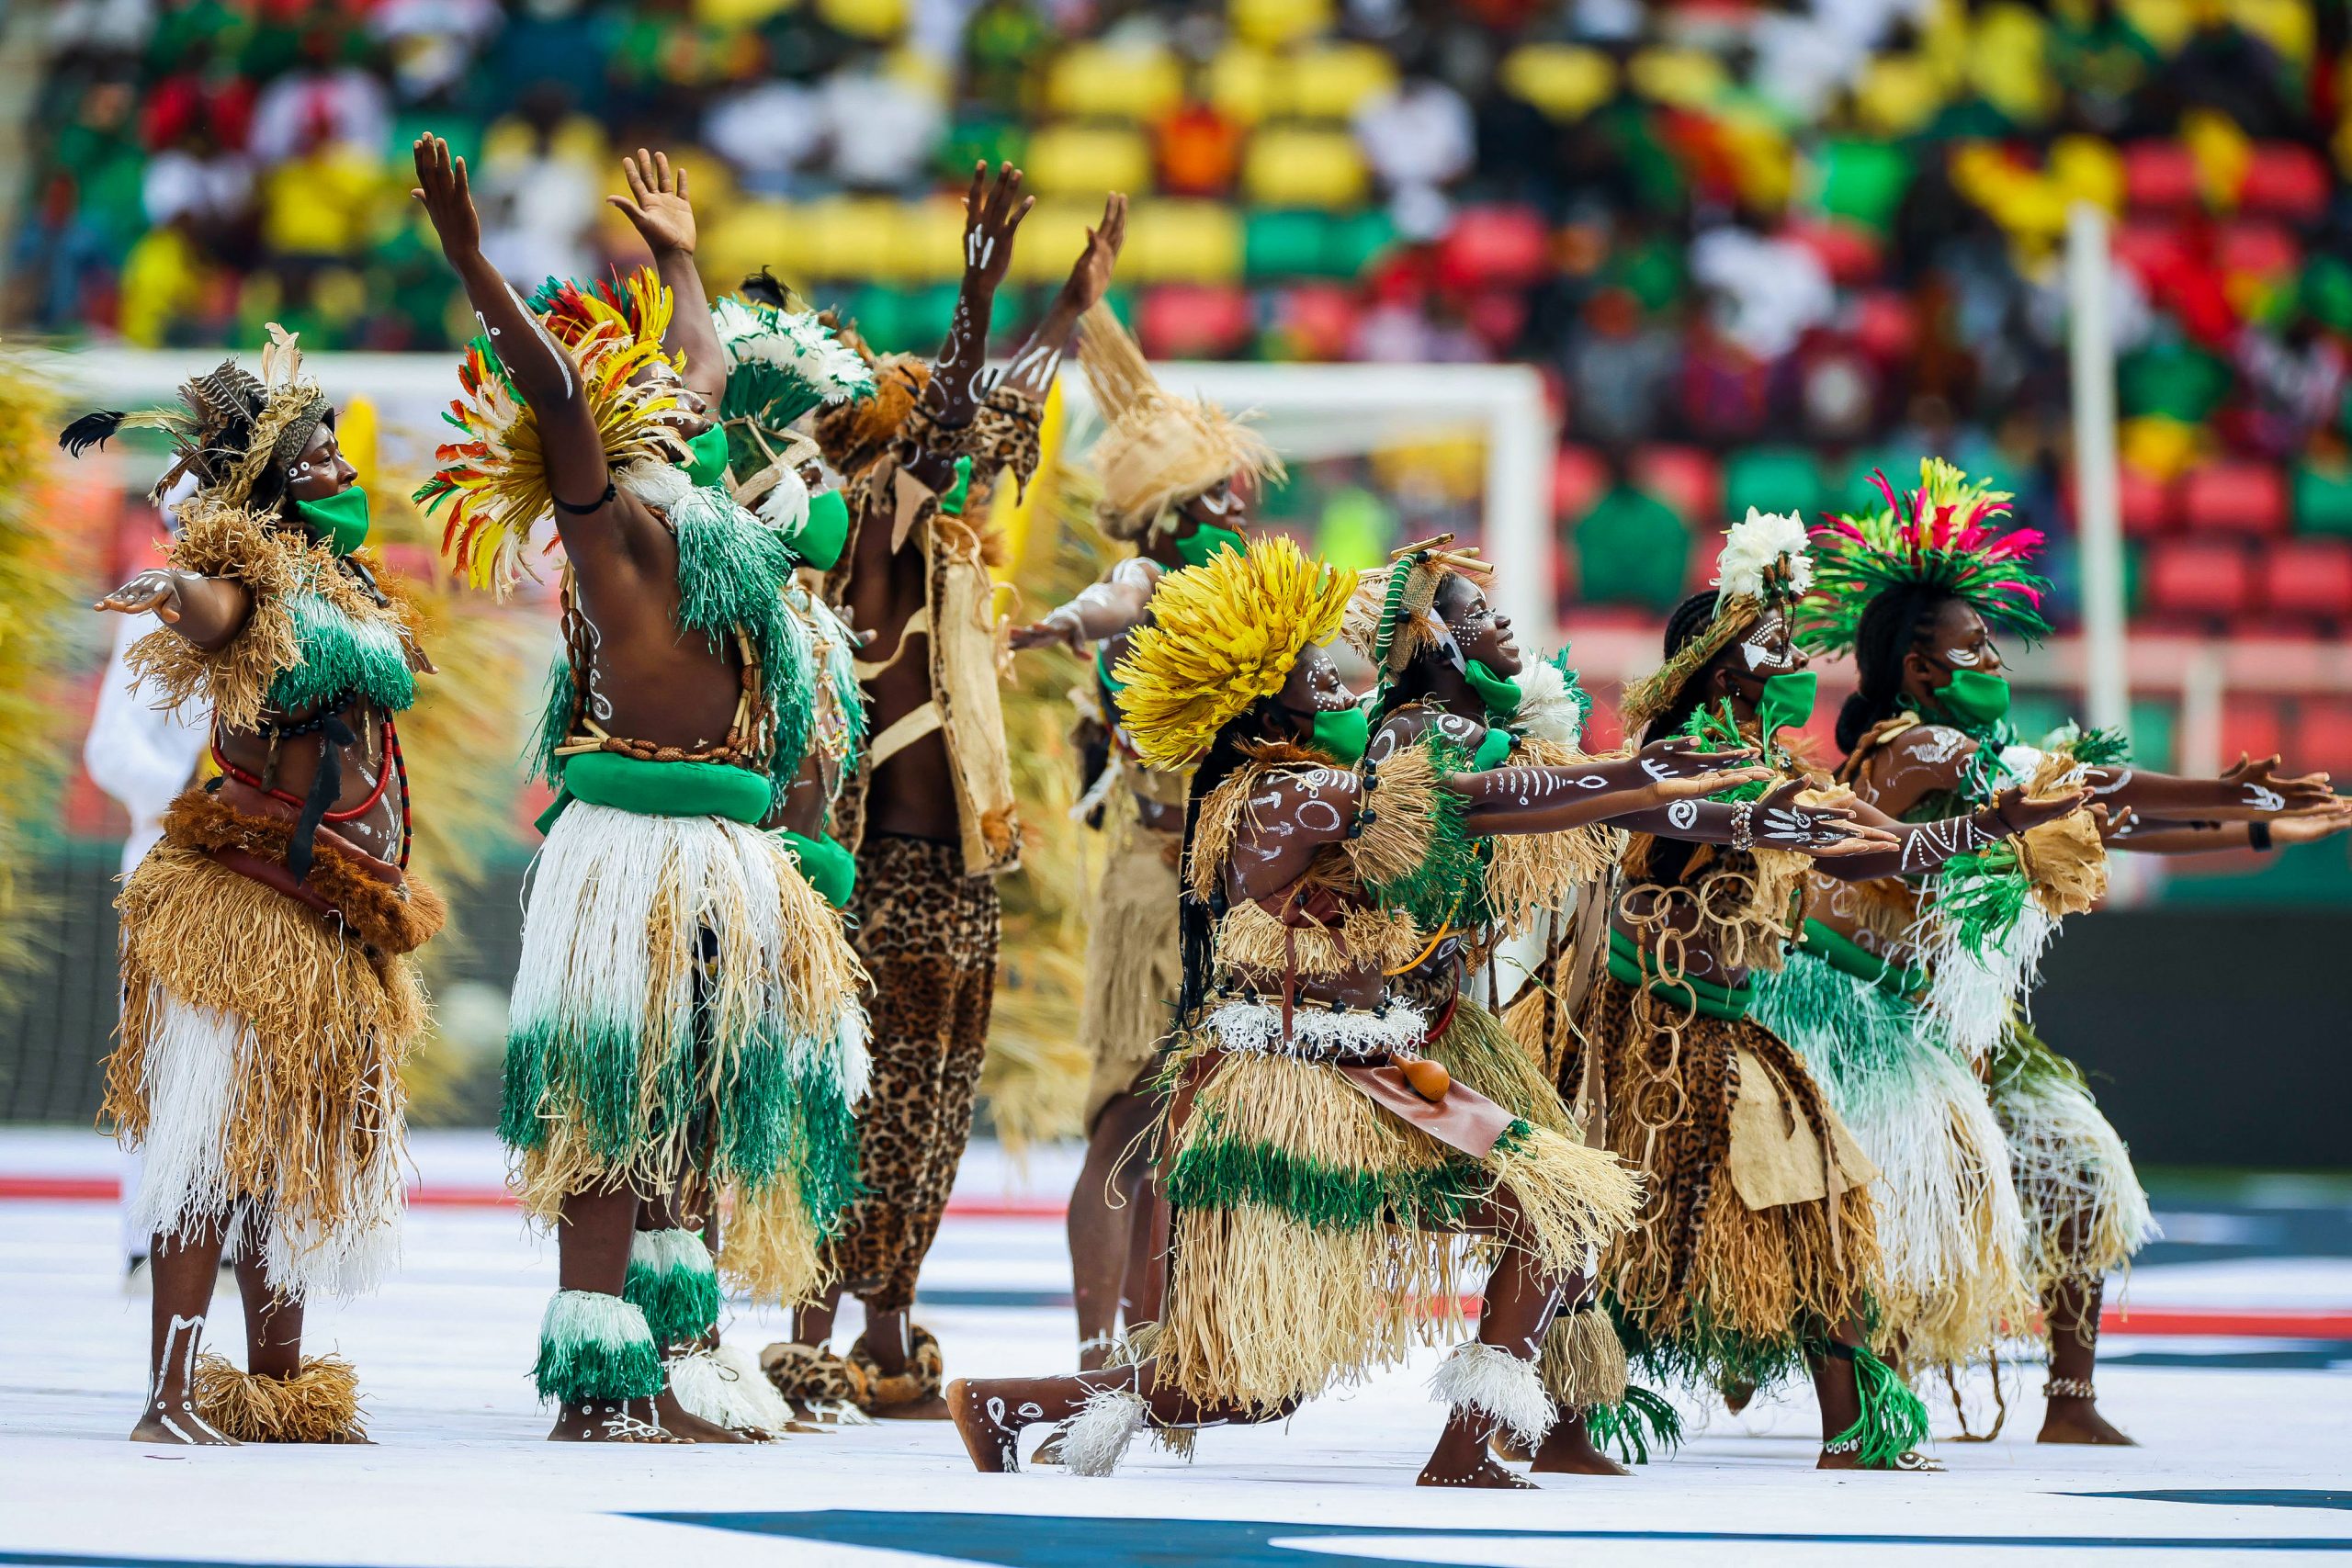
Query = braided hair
x=1686 y=625
x=1894 y=623
x=1197 y=917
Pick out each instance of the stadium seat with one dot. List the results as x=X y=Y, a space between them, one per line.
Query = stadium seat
x=854 y=237
x=1191 y=241
x=1332 y=81
x=1184 y=321
x=1105 y=81
x=1848 y=252
x=2254 y=727
x=2308 y=578
x=1772 y=478
x=2159 y=176
x=2150 y=507
x=2323 y=499
x=2259 y=249
x=1631 y=549
x=1685 y=78
x=1564 y=81
x=1313 y=322
x=1577 y=476
x=2198 y=580
x=1494 y=246
x=1054 y=231
x=1087 y=160
x=2287 y=181
x=2323 y=736
x=1299 y=165
x=2153 y=249
x=1898 y=94
x=2087 y=168
x=1273 y=23
x=1685 y=477
x=2235 y=498
x=1283 y=244
x=1863 y=182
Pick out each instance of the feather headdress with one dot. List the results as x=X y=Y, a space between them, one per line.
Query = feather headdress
x=1762 y=567
x=239 y=434
x=1223 y=639
x=1158 y=450
x=494 y=482
x=1950 y=533
x=780 y=364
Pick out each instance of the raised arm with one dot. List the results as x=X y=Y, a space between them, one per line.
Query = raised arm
x=1036 y=360
x=664 y=219
x=1102 y=610
x=539 y=367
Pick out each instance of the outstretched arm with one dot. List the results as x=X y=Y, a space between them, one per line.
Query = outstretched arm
x=541 y=371
x=1922 y=847
x=664 y=219
x=208 y=611
x=2250 y=791
x=1527 y=799
x=2129 y=831
x=1036 y=360
x=1101 y=611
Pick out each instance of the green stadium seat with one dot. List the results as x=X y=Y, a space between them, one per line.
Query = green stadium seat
x=1772 y=478
x=1631 y=549
x=1282 y=243
x=1863 y=182
x=2323 y=499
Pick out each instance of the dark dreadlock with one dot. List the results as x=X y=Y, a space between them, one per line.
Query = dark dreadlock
x=1197 y=917
x=1890 y=627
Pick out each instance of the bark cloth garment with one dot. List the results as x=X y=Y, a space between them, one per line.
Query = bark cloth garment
x=1310 y=1190
x=266 y=1014
x=686 y=998
x=1758 y=1235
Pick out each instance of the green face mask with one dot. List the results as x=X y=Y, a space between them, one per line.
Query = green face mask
x=1501 y=692
x=1787 y=702
x=1344 y=733
x=1205 y=540
x=706 y=461
x=1973 y=699
x=820 y=541
x=341 y=519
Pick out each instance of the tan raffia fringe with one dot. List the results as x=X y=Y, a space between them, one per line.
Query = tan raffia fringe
x=274 y=563
x=395 y=916
x=1253 y=937
x=1583 y=1361
x=320 y=1403
x=1532 y=874
x=1133 y=961
x=1484 y=1056
x=1401 y=811
x=1700 y=1251
x=2065 y=860
x=768 y=1249
x=327 y=1027
x=1226 y=808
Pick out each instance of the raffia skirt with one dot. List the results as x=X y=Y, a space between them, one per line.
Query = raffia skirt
x=1314 y=1233
x=2086 y=1211
x=1133 y=963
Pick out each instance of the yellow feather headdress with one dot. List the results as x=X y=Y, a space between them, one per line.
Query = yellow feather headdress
x=1223 y=637
x=1159 y=450
x=494 y=481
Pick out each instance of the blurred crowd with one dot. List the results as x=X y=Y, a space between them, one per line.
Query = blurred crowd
x=1759 y=249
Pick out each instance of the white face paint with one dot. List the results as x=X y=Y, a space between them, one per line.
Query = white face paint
x=1962 y=658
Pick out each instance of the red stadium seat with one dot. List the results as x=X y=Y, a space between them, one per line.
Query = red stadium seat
x=2251 y=725
x=2310 y=578
x=2159 y=176
x=1684 y=478
x=1492 y=246
x=1577 y=476
x=2198 y=580
x=2323 y=736
x=2234 y=497
x=2151 y=505
x=1189 y=320
x=1846 y=251
x=2260 y=249
x=2152 y=248
x=1315 y=322
x=2287 y=180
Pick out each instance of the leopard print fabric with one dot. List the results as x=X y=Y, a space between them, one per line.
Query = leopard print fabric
x=927 y=934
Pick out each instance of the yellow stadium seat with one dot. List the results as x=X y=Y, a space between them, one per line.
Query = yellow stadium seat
x=875 y=20
x=2006 y=61
x=1076 y=160
x=739 y=239
x=1243 y=84
x=2089 y=168
x=2158 y=445
x=1299 y=165
x=1328 y=81
x=1563 y=80
x=1182 y=242
x=1101 y=80
x=1273 y=23
x=854 y=237
x=2285 y=25
x=931 y=232
x=1763 y=163
x=2221 y=151
x=1897 y=95
x=1051 y=238
x=1687 y=78
x=736 y=13
x=2164 y=23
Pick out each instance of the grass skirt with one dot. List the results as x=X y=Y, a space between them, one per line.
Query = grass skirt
x=1707 y=1290
x=258 y=1073
x=2086 y=1213
x=1132 y=965
x=1951 y=1236
x=685 y=996
x=1314 y=1232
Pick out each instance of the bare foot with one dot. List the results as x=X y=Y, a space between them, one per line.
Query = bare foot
x=622 y=1421
x=180 y=1429
x=1737 y=1396
x=931 y=1407
x=1484 y=1472
x=2070 y=1420
x=1568 y=1449
x=1050 y=1450
x=687 y=1427
x=1909 y=1459
x=990 y=1429
x=1510 y=1448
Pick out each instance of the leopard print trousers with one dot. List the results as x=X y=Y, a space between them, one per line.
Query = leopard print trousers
x=928 y=936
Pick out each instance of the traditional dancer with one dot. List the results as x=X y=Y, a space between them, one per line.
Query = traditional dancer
x=930 y=811
x=268 y=991
x=1317 y=1168
x=1758 y=1251
x=1175 y=474
x=1906 y=990
x=685 y=1019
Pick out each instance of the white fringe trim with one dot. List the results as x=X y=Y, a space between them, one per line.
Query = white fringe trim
x=672 y=1251
x=784 y=508
x=1545 y=710
x=1249 y=1025
x=194 y=1070
x=1095 y=1439
x=726 y=1387
x=1492 y=1381
x=1970 y=995
x=2068 y=1161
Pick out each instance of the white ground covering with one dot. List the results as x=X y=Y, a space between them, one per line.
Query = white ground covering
x=459 y=1476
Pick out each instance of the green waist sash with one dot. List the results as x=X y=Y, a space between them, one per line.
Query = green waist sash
x=1707 y=997
x=699 y=789
x=1848 y=956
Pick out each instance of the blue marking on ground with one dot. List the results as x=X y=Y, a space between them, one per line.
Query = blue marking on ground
x=2242 y=1497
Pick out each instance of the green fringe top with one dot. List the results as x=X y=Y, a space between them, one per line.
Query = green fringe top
x=343 y=657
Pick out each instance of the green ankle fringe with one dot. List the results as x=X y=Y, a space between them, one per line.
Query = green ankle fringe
x=1894 y=1419
x=595 y=1347
x=1632 y=1427
x=672 y=1280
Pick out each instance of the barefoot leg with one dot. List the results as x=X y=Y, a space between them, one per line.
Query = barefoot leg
x=1521 y=1295
x=1568 y=1449
x=2071 y=1309
x=991 y=1412
x=184 y=1268
x=1838 y=1382
x=655 y=1215
x=273 y=1322
x=592 y=1244
x=1103 y=1207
